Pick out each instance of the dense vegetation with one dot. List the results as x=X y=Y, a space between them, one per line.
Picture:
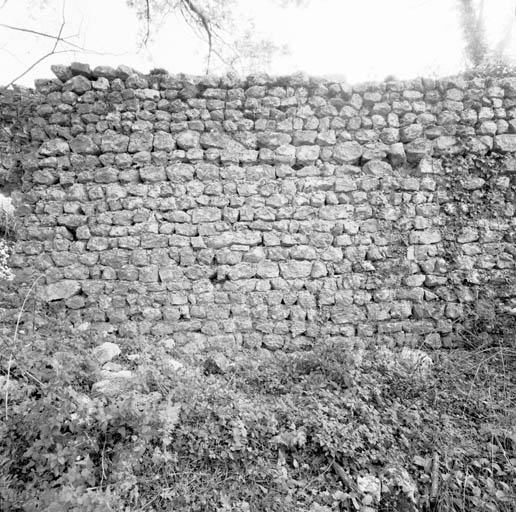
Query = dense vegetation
x=316 y=430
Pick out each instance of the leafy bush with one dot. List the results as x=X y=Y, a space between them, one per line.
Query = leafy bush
x=5 y=252
x=275 y=432
x=493 y=68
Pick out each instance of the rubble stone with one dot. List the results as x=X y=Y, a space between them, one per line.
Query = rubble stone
x=267 y=212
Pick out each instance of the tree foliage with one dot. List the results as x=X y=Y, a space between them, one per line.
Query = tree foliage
x=472 y=24
x=477 y=48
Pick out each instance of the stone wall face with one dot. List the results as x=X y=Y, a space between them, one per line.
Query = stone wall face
x=17 y=109
x=267 y=212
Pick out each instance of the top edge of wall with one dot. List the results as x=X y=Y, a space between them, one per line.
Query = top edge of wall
x=231 y=80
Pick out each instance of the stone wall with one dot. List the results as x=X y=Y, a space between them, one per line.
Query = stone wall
x=266 y=211
x=17 y=109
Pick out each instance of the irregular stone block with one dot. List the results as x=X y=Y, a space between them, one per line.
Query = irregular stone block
x=106 y=175
x=425 y=237
x=140 y=141
x=54 y=147
x=114 y=383
x=78 y=84
x=84 y=144
x=63 y=73
x=347 y=152
x=200 y=215
x=105 y=72
x=106 y=352
x=418 y=149
x=295 y=269
x=164 y=141
x=153 y=174
x=505 y=143
x=307 y=154
x=60 y=290
x=188 y=139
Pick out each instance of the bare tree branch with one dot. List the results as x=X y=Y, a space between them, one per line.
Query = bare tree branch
x=147 y=21
x=43 y=34
x=206 y=24
x=192 y=23
x=33 y=65
x=53 y=51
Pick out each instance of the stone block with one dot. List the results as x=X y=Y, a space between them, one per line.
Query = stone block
x=295 y=269
x=60 y=290
x=347 y=152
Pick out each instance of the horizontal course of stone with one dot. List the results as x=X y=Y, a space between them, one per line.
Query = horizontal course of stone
x=265 y=211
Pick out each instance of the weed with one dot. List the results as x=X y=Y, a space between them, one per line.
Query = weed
x=272 y=432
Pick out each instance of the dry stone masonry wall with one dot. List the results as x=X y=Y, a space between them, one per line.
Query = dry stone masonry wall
x=267 y=211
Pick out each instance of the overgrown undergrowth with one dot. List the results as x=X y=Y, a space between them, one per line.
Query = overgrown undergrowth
x=264 y=432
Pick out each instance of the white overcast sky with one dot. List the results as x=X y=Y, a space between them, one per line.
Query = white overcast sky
x=358 y=39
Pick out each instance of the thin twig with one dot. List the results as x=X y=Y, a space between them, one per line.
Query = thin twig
x=103 y=476
x=435 y=483
x=147 y=20
x=341 y=474
x=32 y=66
x=44 y=34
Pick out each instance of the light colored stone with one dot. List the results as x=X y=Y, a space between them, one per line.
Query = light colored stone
x=173 y=364
x=347 y=152
x=397 y=154
x=295 y=269
x=307 y=154
x=54 y=147
x=418 y=149
x=60 y=290
x=272 y=140
x=425 y=237
x=106 y=352
x=188 y=139
x=370 y=485
x=473 y=183
x=208 y=214
x=164 y=141
x=505 y=143
x=114 y=384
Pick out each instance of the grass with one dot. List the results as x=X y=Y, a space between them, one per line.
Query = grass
x=270 y=432
x=7 y=225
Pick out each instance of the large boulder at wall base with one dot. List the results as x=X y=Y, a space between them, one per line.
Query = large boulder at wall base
x=106 y=352
x=61 y=290
x=113 y=384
